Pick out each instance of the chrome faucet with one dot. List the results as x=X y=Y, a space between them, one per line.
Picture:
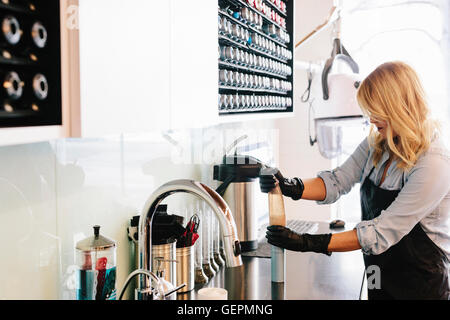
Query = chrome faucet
x=223 y=213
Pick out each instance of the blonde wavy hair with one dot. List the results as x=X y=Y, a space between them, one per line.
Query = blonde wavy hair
x=393 y=93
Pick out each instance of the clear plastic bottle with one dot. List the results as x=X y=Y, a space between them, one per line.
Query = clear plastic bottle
x=96 y=261
x=277 y=217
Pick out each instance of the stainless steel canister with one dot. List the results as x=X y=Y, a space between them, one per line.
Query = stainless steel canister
x=163 y=259
x=252 y=18
x=223 y=101
x=261 y=81
x=240 y=198
x=223 y=76
x=237 y=55
x=243 y=102
x=243 y=83
x=237 y=99
x=273 y=84
x=252 y=102
x=260 y=63
x=247 y=58
x=246 y=35
x=229 y=27
x=230 y=78
x=242 y=58
x=246 y=81
x=220 y=24
x=224 y=26
x=251 y=81
x=250 y=60
x=237 y=79
x=245 y=13
x=185 y=268
x=255 y=60
x=260 y=22
x=230 y=101
x=228 y=53
x=257 y=40
x=248 y=101
x=235 y=31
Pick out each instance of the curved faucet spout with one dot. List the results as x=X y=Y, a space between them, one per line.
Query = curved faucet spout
x=214 y=200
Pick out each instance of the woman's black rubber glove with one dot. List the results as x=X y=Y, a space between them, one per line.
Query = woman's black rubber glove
x=286 y=238
x=292 y=188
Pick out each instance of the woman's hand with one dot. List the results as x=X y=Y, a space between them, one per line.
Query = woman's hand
x=296 y=188
x=286 y=238
x=321 y=243
x=292 y=188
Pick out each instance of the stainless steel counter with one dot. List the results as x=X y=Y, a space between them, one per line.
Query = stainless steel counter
x=309 y=276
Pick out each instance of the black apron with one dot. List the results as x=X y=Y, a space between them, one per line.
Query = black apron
x=414 y=268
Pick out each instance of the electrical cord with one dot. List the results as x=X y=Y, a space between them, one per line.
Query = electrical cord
x=307 y=93
x=362 y=285
x=311 y=141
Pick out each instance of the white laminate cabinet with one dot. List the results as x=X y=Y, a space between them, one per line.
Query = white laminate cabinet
x=194 y=73
x=124 y=66
x=147 y=65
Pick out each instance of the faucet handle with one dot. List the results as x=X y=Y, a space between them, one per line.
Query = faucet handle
x=237 y=248
x=156 y=292
x=159 y=261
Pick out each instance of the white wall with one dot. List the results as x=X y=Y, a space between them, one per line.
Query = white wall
x=297 y=157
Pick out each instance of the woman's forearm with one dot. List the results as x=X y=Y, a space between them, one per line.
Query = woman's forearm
x=314 y=189
x=344 y=241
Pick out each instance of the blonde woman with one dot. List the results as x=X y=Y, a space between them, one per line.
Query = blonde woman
x=404 y=171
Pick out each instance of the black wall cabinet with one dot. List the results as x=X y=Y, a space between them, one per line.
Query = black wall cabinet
x=255 y=56
x=30 y=63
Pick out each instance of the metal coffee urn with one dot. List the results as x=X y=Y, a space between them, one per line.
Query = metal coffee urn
x=239 y=175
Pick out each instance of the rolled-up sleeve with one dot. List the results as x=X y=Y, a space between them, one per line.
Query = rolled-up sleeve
x=426 y=186
x=341 y=180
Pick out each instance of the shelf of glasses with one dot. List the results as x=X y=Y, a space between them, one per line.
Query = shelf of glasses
x=251 y=90
x=252 y=110
x=243 y=24
x=251 y=69
x=241 y=45
x=242 y=3
x=274 y=7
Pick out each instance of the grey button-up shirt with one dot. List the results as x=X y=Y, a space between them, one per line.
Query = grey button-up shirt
x=424 y=196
